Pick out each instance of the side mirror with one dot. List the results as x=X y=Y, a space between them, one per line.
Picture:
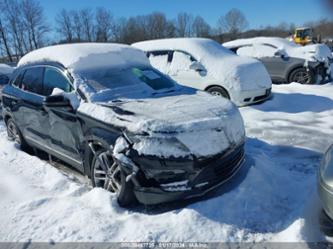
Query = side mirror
x=57 y=101
x=280 y=53
x=197 y=66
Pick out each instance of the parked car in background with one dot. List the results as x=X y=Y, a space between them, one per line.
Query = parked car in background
x=104 y=110
x=204 y=64
x=286 y=61
x=325 y=188
x=5 y=72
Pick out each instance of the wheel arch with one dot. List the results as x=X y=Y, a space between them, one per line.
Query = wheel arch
x=222 y=87
x=294 y=68
x=94 y=142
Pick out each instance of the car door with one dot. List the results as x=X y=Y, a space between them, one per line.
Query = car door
x=275 y=61
x=64 y=132
x=27 y=105
x=181 y=71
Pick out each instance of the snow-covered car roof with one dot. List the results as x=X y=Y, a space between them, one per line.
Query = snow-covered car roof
x=314 y=52
x=5 y=69
x=274 y=41
x=87 y=55
x=199 y=47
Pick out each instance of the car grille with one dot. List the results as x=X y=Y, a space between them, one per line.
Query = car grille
x=220 y=169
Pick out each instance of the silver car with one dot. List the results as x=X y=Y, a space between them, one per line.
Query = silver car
x=286 y=61
x=325 y=185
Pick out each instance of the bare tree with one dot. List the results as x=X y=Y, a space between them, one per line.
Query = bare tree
x=77 y=25
x=119 y=30
x=15 y=26
x=4 y=40
x=104 y=25
x=159 y=27
x=87 y=21
x=65 y=25
x=34 y=22
x=200 y=27
x=184 y=24
x=233 y=22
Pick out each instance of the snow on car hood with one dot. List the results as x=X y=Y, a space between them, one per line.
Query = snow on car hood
x=314 y=52
x=179 y=125
x=233 y=71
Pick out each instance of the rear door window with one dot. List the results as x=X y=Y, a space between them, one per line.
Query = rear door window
x=33 y=80
x=160 y=60
x=55 y=79
x=181 y=62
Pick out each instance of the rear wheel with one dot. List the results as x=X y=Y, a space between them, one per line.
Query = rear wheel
x=302 y=76
x=107 y=174
x=14 y=134
x=218 y=91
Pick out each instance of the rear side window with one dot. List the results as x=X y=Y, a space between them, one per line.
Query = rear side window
x=33 y=80
x=54 y=79
x=160 y=60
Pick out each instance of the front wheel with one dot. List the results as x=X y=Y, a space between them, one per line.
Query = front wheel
x=218 y=91
x=14 y=134
x=302 y=76
x=107 y=174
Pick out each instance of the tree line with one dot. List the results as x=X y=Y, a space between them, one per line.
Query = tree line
x=24 y=27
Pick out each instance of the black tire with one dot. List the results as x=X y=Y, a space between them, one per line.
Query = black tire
x=218 y=91
x=15 y=135
x=302 y=75
x=115 y=176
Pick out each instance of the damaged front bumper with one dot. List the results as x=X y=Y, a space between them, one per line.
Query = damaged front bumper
x=166 y=180
x=322 y=70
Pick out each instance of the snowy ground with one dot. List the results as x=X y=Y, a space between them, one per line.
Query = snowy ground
x=272 y=199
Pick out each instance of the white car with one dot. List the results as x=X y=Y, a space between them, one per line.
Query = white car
x=285 y=60
x=206 y=65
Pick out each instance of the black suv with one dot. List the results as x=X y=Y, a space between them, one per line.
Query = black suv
x=131 y=129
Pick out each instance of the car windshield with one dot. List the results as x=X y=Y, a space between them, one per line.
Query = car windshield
x=113 y=79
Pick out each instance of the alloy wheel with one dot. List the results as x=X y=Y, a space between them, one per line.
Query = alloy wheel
x=302 y=77
x=13 y=133
x=216 y=93
x=107 y=173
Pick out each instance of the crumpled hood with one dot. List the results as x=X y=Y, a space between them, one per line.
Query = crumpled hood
x=203 y=124
x=239 y=73
x=314 y=52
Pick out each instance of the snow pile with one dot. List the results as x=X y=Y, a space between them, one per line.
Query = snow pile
x=184 y=116
x=260 y=47
x=87 y=55
x=228 y=69
x=5 y=69
x=273 y=198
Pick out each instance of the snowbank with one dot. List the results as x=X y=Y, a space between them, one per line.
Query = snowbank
x=228 y=69
x=260 y=49
x=273 y=199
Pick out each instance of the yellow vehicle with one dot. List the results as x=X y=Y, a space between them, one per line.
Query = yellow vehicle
x=303 y=36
